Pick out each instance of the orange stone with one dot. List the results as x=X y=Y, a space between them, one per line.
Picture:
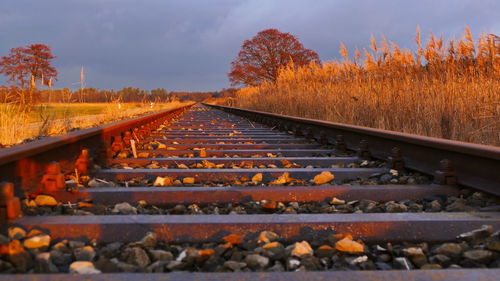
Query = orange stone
x=84 y=205
x=269 y=205
x=324 y=177
x=267 y=236
x=206 y=252
x=208 y=164
x=163 y=181
x=15 y=247
x=302 y=249
x=45 y=200
x=271 y=245
x=257 y=178
x=325 y=247
x=233 y=239
x=285 y=178
x=188 y=180
x=347 y=245
x=37 y=241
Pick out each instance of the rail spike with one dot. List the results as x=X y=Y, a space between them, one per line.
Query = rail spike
x=143 y=131
x=53 y=180
x=297 y=131
x=10 y=205
x=446 y=174
x=323 y=138
x=137 y=133
x=281 y=125
x=340 y=144
x=308 y=133
x=82 y=162
x=396 y=161
x=127 y=136
x=364 y=150
x=117 y=144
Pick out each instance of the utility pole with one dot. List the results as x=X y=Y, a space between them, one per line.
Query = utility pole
x=81 y=83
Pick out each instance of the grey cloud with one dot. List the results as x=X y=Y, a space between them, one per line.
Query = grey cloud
x=188 y=45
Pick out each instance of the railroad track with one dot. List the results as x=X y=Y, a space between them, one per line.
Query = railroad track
x=209 y=188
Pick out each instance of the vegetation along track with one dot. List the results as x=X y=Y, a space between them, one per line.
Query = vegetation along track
x=210 y=188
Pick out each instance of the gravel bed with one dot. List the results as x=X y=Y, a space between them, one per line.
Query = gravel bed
x=247 y=165
x=467 y=202
x=158 y=154
x=35 y=252
x=390 y=177
x=155 y=151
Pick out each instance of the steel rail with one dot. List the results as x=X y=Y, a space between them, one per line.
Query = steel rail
x=476 y=166
x=23 y=164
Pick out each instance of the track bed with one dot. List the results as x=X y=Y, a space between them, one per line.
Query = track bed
x=212 y=189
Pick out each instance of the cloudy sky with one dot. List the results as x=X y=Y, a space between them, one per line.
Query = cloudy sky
x=189 y=45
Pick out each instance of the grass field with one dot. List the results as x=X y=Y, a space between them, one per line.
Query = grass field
x=64 y=110
x=446 y=90
x=59 y=118
x=61 y=110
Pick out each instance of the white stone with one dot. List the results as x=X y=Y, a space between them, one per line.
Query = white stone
x=83 y=267
x=124 y=208
x=359 y=260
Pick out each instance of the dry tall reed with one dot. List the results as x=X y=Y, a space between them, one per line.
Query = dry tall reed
x=11 y=116
x=443 y=90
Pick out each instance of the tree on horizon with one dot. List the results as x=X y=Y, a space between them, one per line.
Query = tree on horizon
x=261 y=57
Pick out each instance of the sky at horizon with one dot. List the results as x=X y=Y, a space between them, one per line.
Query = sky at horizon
x=188 y=45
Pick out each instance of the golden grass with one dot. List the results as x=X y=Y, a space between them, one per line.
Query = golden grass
x=56 y=119
x=11 y=125
x=443 y=90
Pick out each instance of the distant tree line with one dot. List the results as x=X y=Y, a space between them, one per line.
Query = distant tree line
x=128 y=94
x=31 y=75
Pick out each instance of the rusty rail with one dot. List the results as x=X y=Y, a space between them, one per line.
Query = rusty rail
x=24 y=164
x=475 y=165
